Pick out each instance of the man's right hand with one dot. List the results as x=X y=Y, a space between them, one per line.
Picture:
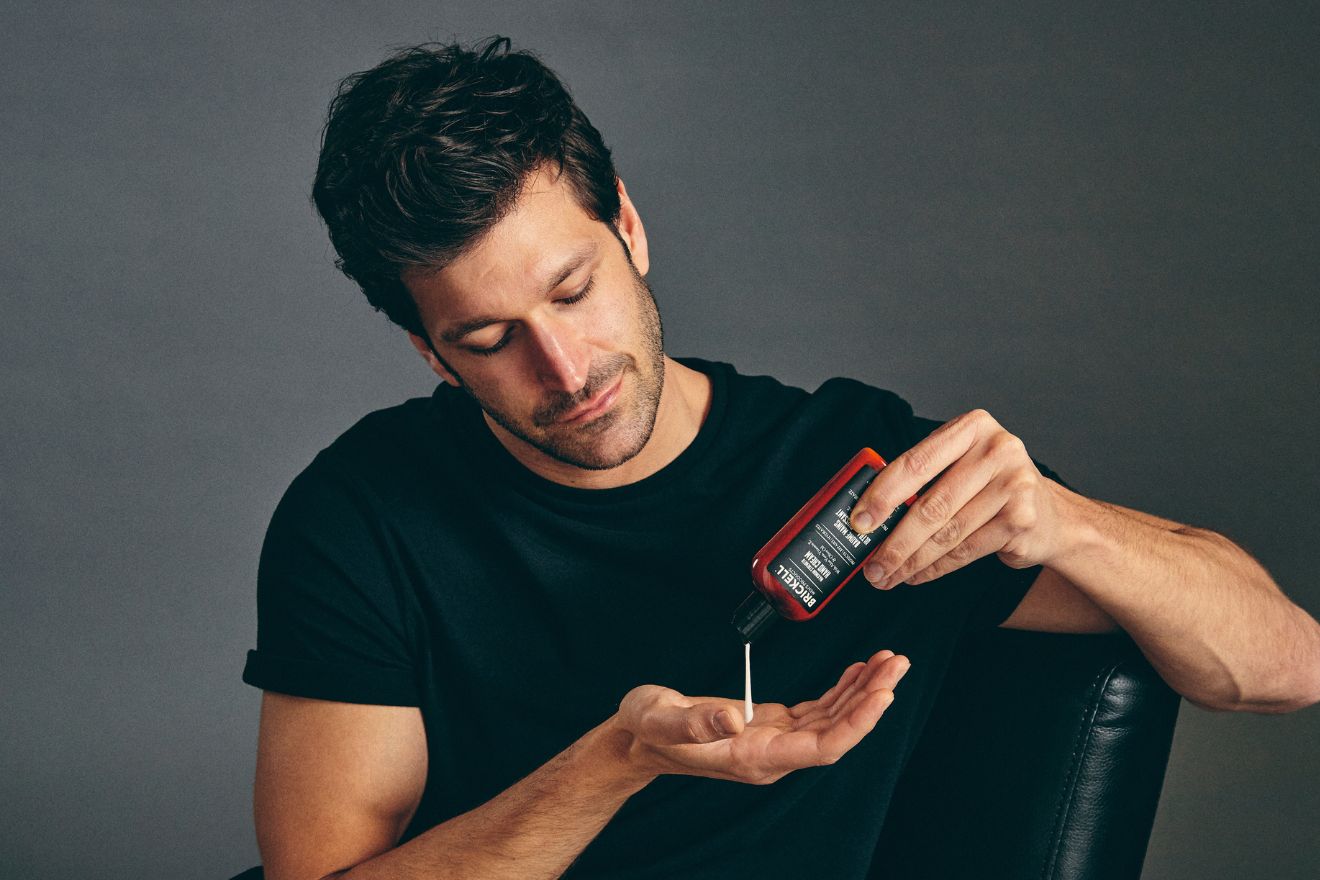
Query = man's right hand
x=337 y=783
x=706 y=736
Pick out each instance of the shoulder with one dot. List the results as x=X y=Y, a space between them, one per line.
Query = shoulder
x=840 y=416
x=840 y=394
x=398 y=428
x=847 y=392
x=382 y=452
x=751 y=387
x=880 y=417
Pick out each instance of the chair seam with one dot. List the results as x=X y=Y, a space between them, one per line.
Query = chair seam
x=1064 y=808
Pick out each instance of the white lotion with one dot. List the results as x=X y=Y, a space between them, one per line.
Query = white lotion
x=747 y=682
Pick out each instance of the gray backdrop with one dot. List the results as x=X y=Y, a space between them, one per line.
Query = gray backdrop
x=1099 y=225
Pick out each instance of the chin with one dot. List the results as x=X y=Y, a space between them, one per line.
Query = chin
x=598 y=450
x=599 y=446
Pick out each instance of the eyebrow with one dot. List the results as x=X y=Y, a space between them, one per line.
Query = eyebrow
x=574 y=262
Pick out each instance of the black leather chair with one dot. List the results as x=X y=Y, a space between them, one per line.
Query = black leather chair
x=1043 y=758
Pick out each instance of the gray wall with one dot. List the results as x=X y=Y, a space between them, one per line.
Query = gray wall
x=1099 y=225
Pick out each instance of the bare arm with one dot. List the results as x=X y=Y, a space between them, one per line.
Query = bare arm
x=533 y=829
x=1209 y=618
x=337 y=783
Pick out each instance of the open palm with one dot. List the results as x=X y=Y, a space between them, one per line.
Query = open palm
x=681 y=734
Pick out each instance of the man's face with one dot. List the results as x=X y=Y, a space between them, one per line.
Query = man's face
x=570 y=317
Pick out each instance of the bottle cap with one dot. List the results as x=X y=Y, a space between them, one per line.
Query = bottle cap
x=754 y=616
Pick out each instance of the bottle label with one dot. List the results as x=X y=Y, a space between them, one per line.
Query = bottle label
x=822 y=555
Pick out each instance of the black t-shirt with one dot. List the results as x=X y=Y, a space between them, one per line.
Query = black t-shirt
x=416 y=562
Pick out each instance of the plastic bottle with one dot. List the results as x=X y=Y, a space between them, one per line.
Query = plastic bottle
x=814 y=554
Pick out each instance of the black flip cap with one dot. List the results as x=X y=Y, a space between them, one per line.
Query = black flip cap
x=754 y=616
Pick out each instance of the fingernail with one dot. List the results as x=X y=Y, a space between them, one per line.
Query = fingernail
x=723 y=723
x=863 y=522
x=874 y=573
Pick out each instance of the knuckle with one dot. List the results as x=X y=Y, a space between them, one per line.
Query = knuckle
x=1021 y=517
x=934 y=508
x=985 y=420
x=962 y=553
x=694 y=730
x=645 y=717
x=1022 y=481
x=949 y=533
x=1004 y=442
x=889 y=559
x=639 y=694
x=914 y=461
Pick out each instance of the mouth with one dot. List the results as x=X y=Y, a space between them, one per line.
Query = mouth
x=594 y=407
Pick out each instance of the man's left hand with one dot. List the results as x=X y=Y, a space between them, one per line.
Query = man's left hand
x=990 y=498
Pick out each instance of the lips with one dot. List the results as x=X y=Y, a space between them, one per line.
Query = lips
x=596 y=405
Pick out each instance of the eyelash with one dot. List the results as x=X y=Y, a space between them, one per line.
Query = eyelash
x=576 y=298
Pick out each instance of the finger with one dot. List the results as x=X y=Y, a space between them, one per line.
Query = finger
x=805 y=748
x=857 y=685
x=990 y=538
x=903 y=478
x=969 y=478
x=885 y=677
x=846 y=683
x=860 y=721
x=889 y=675
x=856 y=718
x=702 y=722
x=882 y=675
x=826 y=707
x=978 y=511
x=847 y=678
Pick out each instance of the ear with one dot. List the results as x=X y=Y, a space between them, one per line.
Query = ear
x=436 y=365
x=631 y=231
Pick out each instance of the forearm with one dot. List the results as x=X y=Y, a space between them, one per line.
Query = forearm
x=534 y=829
x=1208 y=617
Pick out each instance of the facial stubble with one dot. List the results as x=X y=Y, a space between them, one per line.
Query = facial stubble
x=632 y=418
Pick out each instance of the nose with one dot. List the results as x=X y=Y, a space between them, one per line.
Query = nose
x=562 y=359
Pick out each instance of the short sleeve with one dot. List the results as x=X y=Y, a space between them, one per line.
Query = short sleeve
x=330 y=615
x=995 y=589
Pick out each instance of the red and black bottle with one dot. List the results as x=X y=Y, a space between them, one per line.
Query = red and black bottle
x=807 y=561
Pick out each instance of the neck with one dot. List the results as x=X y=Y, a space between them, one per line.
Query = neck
x=684 y=403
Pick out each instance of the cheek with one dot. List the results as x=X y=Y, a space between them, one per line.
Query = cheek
x=499 y=386
x=622 y=325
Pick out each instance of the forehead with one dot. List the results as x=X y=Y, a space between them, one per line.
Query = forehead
x=513 y=260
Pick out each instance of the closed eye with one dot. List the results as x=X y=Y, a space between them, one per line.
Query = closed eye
x=504 y=340
x=491 y=350
x=581 y=294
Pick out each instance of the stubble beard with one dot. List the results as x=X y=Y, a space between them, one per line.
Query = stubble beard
x=618 y=435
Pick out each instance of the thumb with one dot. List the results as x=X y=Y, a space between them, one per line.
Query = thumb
x=699 y=723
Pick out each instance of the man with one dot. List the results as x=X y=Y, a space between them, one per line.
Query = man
x=494 y=628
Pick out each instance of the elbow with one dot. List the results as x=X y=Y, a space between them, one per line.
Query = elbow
x=1283 y=697
x=1295 y=684
x=1305 y=690
x=1275 y=706
x=1308 y=694
x=1278 y=706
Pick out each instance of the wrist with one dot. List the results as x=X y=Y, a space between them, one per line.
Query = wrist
x=1076 y=532
x=618 y=758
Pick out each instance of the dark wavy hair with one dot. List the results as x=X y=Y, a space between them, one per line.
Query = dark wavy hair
x=425 y=152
